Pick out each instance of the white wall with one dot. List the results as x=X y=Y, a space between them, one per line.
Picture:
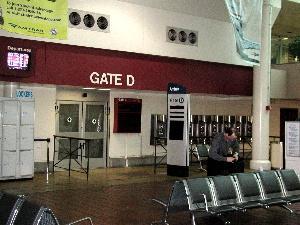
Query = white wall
x=136 y=144
x=136 y=28
x=278 y=84
x=221 y=105
x=44 y=124
x=293 y=79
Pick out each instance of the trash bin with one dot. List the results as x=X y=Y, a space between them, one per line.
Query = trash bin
x=277 y=155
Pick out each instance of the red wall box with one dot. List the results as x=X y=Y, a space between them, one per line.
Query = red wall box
x=72 y=65
x=127 y=115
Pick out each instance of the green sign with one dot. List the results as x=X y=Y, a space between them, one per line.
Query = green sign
x=38 y=18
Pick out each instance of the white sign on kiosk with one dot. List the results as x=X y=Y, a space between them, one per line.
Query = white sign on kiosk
x=292 y=145
x=178 y=131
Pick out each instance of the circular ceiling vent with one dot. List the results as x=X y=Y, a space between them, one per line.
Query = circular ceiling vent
x=182 y=36
x=102 y=22
x=172 y=34
x=192 y=38
x=74 y=18
x=89 y=20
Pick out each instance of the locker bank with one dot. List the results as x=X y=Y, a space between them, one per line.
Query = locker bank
x=103 y=92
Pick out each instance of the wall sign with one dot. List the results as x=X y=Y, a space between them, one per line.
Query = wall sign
x=292 y=145
x=24 y=94
x=18 y=58
x=178 y=131
x=292 y=139
x=112 y=79
x=46 y=19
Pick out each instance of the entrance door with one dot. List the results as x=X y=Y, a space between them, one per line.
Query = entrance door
x=81 y=119
x=94 y=127
x=68 y=123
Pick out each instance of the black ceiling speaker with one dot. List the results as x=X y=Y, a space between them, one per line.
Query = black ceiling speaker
x=192 y=38
x=89 y=20
x=172 y=34
x=74 y=18
x=182 y=36
x=102 y=22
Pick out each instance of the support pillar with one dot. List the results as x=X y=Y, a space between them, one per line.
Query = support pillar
x=261 y=96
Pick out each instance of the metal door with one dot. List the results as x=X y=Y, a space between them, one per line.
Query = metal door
x=94 y=126
x=68 y=123
x=86 y=120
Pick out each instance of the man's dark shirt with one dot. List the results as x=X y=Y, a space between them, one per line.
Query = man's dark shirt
x=220 y=148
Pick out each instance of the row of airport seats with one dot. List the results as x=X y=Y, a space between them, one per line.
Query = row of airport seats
x=218 y=195
x=17 y=210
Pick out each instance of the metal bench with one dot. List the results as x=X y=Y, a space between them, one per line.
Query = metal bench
x=249 y=191
x=219 y=195
x=16 y=210
x=9 y=207
x=291 y=185
x=176 y=202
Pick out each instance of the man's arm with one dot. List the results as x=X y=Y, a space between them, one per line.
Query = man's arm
x=236 y=149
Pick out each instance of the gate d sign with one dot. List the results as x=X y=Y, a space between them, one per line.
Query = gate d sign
x=24 y=94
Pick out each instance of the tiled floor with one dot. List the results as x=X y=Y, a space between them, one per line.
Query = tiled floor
x=121 y=196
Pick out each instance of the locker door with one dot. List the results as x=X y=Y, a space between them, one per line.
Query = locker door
x=26 y=137
x=9 y=159
x=26 y=163
x=10 y=112
x=27 y=112
x=9 y=141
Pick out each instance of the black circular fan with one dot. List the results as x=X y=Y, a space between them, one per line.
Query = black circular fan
x=172 y=34
x=74 y=18
x=89 y=20
x=182 y=36
x=192 y=38
x=102 y=22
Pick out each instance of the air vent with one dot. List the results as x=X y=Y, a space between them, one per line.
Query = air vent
x=172 y=35
x=102 y=23
x=74 y=18
x=182 y=36
x=89 y=21
x=192 y=38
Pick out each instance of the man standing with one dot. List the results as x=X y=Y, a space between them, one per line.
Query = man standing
x=223 y=156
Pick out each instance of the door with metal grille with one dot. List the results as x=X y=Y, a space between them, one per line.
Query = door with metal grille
x=83 y=120
x=94 y=125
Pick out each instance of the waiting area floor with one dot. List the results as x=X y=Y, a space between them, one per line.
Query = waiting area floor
x=121 y=196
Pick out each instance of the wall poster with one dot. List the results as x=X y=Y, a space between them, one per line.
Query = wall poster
x=292 y=145
x=38 y=18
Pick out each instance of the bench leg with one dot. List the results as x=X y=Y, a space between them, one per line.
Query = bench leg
x=287 y=208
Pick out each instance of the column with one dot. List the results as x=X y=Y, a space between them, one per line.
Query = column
x=261 y=96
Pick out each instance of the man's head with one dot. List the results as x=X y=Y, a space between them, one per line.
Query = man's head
x=229 y=133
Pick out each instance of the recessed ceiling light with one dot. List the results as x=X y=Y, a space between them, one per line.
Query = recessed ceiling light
x=103 y=89
x=88 y=88
x=285 y=38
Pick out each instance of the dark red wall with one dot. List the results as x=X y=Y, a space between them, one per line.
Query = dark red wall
x=72 y=65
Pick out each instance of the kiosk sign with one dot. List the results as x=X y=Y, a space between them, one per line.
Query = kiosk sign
x=178 y=135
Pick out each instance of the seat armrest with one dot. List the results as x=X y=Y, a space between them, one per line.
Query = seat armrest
x=205 y=201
